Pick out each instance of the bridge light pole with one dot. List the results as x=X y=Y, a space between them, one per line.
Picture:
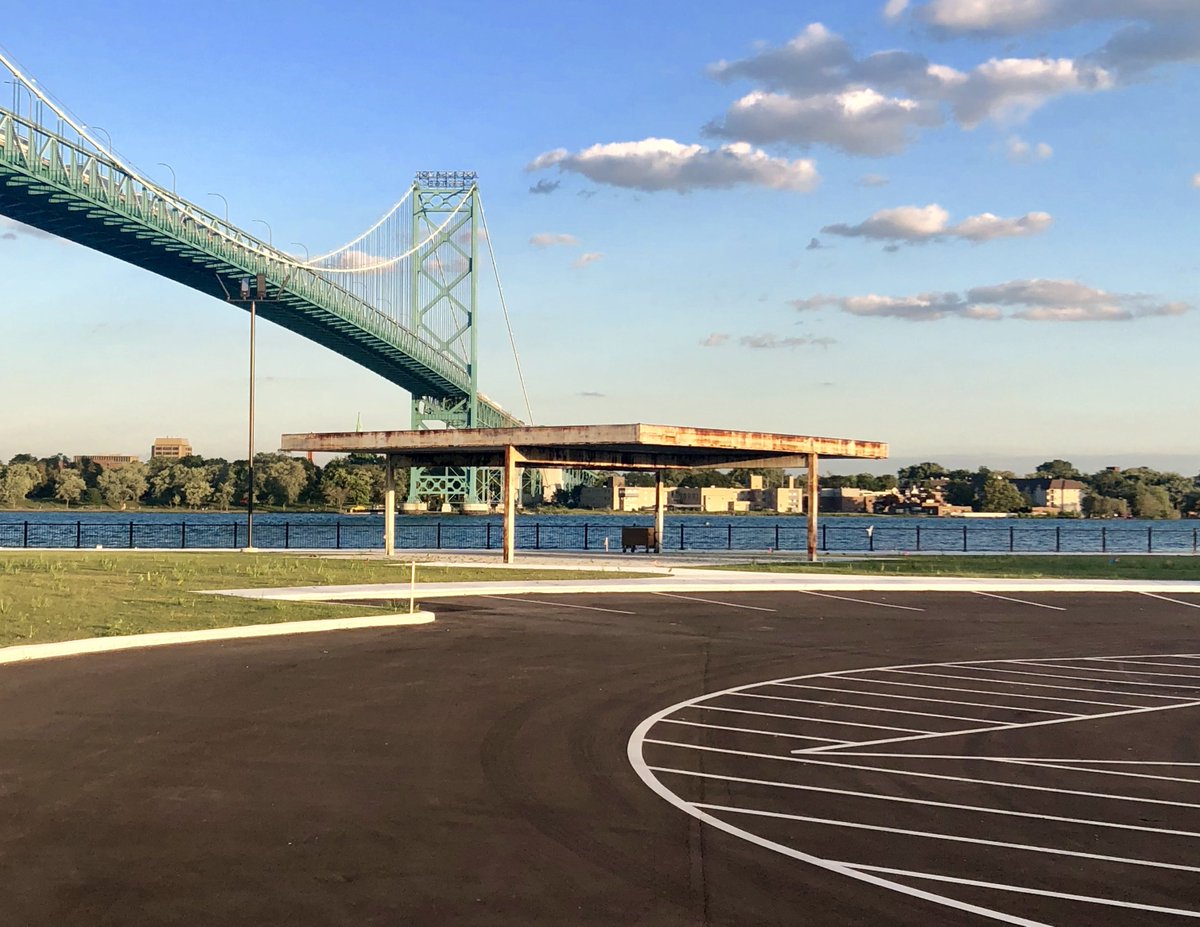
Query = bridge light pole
x=107 y=137
x=172 y=170
x=307 y=259
x=270 y=233
x=250 y=290
x=226 y=202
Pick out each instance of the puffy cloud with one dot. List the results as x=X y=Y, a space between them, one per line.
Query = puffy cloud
x=588 y=257
x=715 y=340
x=814 y=244
x=861 y=121
x=1010 y=17
x=913 y=224
x=1027 y=300
x=873 y=180
x=545 y=186
x=550 y=239
x=1011 y=88
x=894 y=9
x=664 y=164
x=1019 y=150
x=771 y=342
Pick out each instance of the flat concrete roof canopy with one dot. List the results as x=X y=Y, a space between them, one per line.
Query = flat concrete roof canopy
x=592 y=447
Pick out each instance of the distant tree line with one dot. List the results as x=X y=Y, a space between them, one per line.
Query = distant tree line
x=196 y=482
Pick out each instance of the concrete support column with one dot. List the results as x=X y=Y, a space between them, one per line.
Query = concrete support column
x=389 y=506
x=512 y=491
x=660 y=507
x=813 y=499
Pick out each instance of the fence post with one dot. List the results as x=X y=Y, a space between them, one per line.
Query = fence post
x=439 y=535
x=585 y=536
x=729 y=538
x=1194 y=540
x=1149 y=539
x=287 y=534
x=25 y=536
x=337 y=535
x=79 y=535
x=918 y=539
x=777 y=537
x=1011 y=530
x=487 y=543
x=183 y=535
x=235 y=531
x=537 y=535
x=824 y=541
x=1103 y=539
x=964 y=539
x=131 y=535
x=681 y=537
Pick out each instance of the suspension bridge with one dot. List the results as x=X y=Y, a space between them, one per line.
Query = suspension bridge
x=401 y=299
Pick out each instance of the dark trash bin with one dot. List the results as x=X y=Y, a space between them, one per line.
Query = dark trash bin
x=633 y=538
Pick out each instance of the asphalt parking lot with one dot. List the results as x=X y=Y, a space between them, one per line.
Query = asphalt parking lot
x=868 y=758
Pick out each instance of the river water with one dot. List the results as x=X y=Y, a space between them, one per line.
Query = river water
x=312 y=530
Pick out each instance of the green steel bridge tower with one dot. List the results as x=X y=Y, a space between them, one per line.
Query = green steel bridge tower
x=401 y=299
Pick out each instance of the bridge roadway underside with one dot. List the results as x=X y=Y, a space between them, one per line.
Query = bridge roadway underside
x=652 y=448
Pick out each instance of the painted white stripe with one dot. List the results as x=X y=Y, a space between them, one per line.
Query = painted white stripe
x=937 y=701
x=992 y=595
x=1048 y=763
x=893 y=711
x=692 y=598
x=1026 y=890
x=832 y=761
x=1114 y=682
x=875 y=727
x=747 y=730
x=1123 y=672
x=1040 y=698
x=1123 y=661
x=1016 y=726
x=590 y=608
x=897 y=799
x=762 y=714
x=953 y=838
x=1166 y=599
x=1034 y=685
x=1104 y=772
x=846 y=598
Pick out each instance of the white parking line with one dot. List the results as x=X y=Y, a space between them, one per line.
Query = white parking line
x=1165 y=599
x=590 y=608
x=891 y=711
x=846 y=598
x=692 y=598
x=937 y=701
x=1024 y=890
x=764 y=714
x=992 y=595
x=953 y=838
x=1043 y=698
x=1033 y=685
x=1116 y=682
x=903 y=800
x=1123 y=661
x=745 y=730
x=1126 y=672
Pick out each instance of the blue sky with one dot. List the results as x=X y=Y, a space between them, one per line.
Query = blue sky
x=965 y=227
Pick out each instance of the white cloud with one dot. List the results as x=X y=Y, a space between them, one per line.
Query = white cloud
x=1009 y=89
x=1196 y=181
x=894 y=9
x=1009 y=17
x=873 y=180
x=588 y=257
x=771 y=342
x=914 y=224
x=715 y=340
x=664 y=164
x=550 y=239
x=860 y=121
x=1026 y=300
x=1019 y=150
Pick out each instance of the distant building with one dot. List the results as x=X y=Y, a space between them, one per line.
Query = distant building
x=106 y=461
x=614 y=494
x=171 y=447
x=1052 y=495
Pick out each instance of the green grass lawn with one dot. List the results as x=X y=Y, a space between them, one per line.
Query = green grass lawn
x=1109 y=566
x=54 y=596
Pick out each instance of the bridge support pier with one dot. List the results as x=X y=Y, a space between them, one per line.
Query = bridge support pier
x=813 y=498
x=389 y=506
x=512 y=494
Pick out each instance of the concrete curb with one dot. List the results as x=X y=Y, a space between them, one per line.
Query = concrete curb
x=29 y=652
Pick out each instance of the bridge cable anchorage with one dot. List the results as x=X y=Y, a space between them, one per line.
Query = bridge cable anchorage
x=504 y=305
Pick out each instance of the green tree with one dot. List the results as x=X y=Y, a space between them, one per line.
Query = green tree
x=920 y=473
x=196 y=486
x=124 y=485
x=1153 y=502
x=346 y=486
x=999 y=495
x=1058 y=469
x=284 y=478
x=17 y=481
x=1097 y=506
x=69 y=486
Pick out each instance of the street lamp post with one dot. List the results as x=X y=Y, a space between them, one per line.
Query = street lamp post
x=107 y=137
x=307 y=259
x=172 y=170
x=270 y=233
x=226 y=202
x=251 y=291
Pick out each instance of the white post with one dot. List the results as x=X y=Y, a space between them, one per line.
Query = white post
x=389 y=506
x=660 y=505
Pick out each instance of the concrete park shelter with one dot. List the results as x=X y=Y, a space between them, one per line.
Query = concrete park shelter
x=590 y=447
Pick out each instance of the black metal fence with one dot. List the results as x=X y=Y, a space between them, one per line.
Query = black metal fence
x=1073 y=537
